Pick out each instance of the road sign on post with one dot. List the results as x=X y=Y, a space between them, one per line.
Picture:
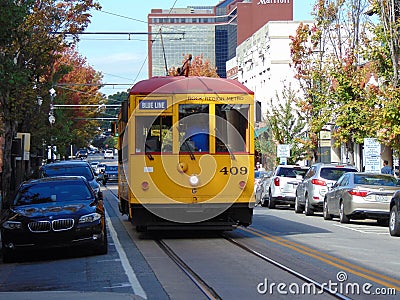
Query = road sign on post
x=283 y=150
x=372 y=155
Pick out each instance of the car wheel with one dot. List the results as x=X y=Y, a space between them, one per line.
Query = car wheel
x=327 y=215
x=394 y=227
x=102 y=248
x=309 y=211
x=297 y=207
x=342 y=216
x=264 y=202
x=271 y=202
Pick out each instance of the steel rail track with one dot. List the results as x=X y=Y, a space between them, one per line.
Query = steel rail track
x=285 y=268
x=196 y=279
x=207 y=290
x=210 y=293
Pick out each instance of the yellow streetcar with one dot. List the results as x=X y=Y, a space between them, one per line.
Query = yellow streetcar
x=186 y=154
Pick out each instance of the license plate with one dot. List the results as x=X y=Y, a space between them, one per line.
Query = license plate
x=380 y=198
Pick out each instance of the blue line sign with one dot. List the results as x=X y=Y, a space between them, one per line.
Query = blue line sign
x=153 y=105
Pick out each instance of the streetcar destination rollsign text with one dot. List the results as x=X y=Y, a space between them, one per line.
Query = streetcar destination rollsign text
x=153 y=105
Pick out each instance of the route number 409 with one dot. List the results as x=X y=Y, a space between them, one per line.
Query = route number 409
x=233 y=171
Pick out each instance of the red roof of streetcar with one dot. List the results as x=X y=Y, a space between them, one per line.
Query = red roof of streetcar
x=189 y=85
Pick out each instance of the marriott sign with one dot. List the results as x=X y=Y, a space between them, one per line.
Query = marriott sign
x=261 y=2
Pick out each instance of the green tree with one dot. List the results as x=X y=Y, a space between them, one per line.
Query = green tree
x=110 y=142
x=76 y=125
x=307 y=52
x=31 y=40
x=287 y=124
x=326 y=58
x=383 y=51
x=264 y=145
x=112 y=112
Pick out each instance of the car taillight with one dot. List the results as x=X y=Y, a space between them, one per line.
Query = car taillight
x=358 y=193
x=276 y=181
x=318 y=182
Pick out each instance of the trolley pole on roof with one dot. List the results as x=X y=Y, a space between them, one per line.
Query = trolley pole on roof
x=165 y=58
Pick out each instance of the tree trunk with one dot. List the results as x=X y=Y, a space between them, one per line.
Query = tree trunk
x=8 y=176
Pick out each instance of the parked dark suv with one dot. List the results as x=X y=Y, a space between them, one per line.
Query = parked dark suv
x=71 y=168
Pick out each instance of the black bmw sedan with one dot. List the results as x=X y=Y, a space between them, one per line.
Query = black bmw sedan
x=53 y=212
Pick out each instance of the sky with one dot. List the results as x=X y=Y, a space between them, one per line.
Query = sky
x=122 y=59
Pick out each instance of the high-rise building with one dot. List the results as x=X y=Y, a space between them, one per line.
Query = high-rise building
x=211 y=31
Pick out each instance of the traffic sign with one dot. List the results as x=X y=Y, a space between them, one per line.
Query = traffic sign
x=283 y=150
x=372 y=155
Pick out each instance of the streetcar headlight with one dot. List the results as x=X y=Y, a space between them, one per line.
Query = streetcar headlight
x=194 y=180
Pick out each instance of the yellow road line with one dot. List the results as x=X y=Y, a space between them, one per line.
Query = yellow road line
x=340 y=263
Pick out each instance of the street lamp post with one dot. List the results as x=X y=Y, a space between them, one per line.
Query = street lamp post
x=52 y=120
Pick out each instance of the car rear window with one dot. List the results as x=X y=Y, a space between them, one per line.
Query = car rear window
x=69 y=171
x=291 y=172
x=332 y=173
x=375 y=180
x=52 y=192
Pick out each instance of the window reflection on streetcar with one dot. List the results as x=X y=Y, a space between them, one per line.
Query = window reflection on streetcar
x=231 y=126
x=194 y=127
x=152 y=132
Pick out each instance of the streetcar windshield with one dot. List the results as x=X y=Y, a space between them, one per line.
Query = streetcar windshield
x=231 y=127
x=194 y=127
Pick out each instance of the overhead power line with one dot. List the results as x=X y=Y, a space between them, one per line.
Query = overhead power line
x=113 y=33
x=91 y=84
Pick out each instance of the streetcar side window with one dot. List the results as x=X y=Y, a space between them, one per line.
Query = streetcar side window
x=194 y=127
x=152 y=133
x=231 y=122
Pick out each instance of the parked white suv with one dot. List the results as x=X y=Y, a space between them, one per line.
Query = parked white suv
x=283 y=184
x=108 y=154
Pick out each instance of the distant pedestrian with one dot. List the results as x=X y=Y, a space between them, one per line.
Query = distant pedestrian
x=386 y=168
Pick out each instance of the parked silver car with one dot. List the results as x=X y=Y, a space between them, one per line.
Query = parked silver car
x=311 y=190
x=360 y=195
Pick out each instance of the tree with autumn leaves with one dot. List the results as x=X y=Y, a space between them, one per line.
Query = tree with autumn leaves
x=198 y=66
x=33 y=38
x=333 y=60
x=78 y=84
